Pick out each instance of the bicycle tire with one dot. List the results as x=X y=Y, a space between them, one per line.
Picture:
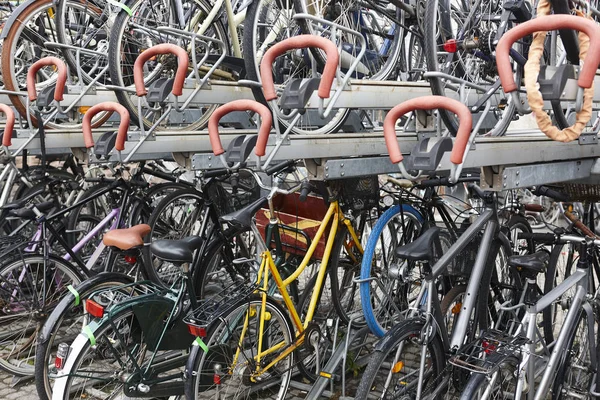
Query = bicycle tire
x=436 y=35
x=124 y=48
x=561 y=264
x=478 y=382
x=7 y=65
x=32 y=318
x=575 y=363
x=256 y=23
x=378 y=367
x=69 y=304
x=200 y=366
x=143 y=206
x=87 y=14
x=378 y=328
x=82 y=350
x=390 y=53
x=346 y=293
x=157 y=270
x=518 y=223
x=92 y=207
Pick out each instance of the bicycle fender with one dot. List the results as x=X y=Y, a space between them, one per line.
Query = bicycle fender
x=69 y=298
x=587 y=308
x=14 y=16
x=390 y=337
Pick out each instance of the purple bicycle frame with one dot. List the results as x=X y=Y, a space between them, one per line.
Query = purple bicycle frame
x=38 y=235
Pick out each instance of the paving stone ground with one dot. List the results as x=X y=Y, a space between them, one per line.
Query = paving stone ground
x=24 y=390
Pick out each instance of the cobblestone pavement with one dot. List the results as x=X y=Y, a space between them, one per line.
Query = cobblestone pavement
x=24 y=390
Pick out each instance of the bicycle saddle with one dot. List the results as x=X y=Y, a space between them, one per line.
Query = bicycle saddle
x=27 y=213
x=244 y=216
x=529 y=264
x=128 y=238
x=420 y=249
x=176 y=251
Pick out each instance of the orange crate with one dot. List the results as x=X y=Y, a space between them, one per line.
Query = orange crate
x=304 y=216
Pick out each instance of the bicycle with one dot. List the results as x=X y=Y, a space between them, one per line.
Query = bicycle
x=519 y=355
x=462 y=40
x=411 y=359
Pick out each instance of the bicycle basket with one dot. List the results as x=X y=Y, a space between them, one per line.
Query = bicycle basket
x=356 y=193
x=581 y=192
x=299 y=223
x=211 y=309
x=234 y=193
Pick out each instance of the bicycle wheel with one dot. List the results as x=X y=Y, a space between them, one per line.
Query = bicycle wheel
x=63 y=325
x=178 y=215
x=393 y=369
x=233 y=345
x=382 y=25
x=314 y=354
x=500 y=384
x=575 y=374
x=467 y=22
x=214 y=270
x=519 y=224
x=132 y=34
x=85 y=24
x=95 y=366
x=268 y=22
x=399 y=225
x=562 y=262
x=345 y=264
x=22 y=46
x=143 y=204
x=30 y=286
x=100 y=207
x=451 y=305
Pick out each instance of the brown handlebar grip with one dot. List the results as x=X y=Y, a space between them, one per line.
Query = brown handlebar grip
x=123 y=125
x=10 y=124
x=61 y=79
x=579 y=225
x=241 y=105
x=300 y=42
x=183 y=62
x=533 y=207
x=549 y=23
x=429 y=103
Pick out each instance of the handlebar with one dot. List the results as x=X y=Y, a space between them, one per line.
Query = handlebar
x=280 y=167
x=215 y=173
x=305 y=189
x=533 y=207
x=446 y=181
x=183 y=62
x=300 y=42
x=429 y=103
x=61 y=79
x=580 y=225
x=544 y=238
x=10 y=124
x=547 y=23
x=240 y=105
x=553 y=194
x=123 y=125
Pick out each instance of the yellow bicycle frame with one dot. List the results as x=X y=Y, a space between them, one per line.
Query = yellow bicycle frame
x=335 y=216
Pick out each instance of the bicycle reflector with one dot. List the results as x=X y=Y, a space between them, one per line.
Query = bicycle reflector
x=450 y=46
x=61 y=355
x=94 y=309
x=196 y=330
